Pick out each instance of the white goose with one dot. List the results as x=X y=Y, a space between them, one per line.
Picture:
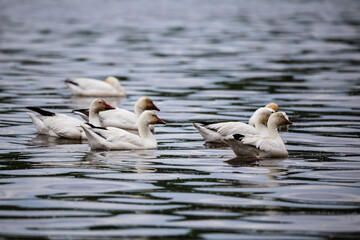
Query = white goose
x=272 y=106
x=122 y=118
x=261 y=146
x=214 y=133
x=89 y=87
x=63 y=126
x=112 y=138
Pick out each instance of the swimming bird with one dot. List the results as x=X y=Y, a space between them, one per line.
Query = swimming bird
x=122 y=118
x=63 y=126
x=214 y=133
x=111 y=138
x=268 y=145
x=88 y=87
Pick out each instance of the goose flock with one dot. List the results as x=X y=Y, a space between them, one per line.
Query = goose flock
x=112 y=128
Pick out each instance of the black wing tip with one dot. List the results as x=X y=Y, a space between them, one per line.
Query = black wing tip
x=206 y=123
x=97 y=133
x=93 y=126
x=41 y=111
x=31 y=108
x=83 y=110
x=238 y=136
x=68 y=80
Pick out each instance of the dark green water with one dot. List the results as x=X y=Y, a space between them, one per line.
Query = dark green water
x=198 y=61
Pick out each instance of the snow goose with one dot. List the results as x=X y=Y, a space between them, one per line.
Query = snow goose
x=261 y=146
x=88 y=87
x=63 y=126
x=272 y=106
x=122 y=118
x=214 y=133
x=112 y=138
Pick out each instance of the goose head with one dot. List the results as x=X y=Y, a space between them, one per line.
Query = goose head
x=143 y=104
x=273 y=106
x=264 y=115
x=98 y=105
x=113 y=81
x=279 y=119
x=149 y=117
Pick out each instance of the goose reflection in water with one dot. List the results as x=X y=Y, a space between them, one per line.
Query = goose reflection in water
x=85 y=101
x=135 y=160
x=271 y=164
x=49 y=141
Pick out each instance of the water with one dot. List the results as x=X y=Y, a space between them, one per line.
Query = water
x=198 y=61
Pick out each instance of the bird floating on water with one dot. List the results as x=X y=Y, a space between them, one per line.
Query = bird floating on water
x=268 y=145
x=88 y=87
x=120 y=117
x=111 y=138
x=63 y=126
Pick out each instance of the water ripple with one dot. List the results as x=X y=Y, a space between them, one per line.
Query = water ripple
x=200 y=62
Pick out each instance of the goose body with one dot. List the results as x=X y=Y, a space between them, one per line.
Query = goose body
x=89 y=87
x=214 y=133
x=261 y=146
x=63 y=126
x=122 y=118
x=56 y=125
x=112 y=138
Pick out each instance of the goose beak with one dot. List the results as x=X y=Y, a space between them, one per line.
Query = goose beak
x=108 y=106
x=161 y=121
x=288 y=122
x=155 y=107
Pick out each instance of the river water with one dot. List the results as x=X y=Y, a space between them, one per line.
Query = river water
x=199 y=61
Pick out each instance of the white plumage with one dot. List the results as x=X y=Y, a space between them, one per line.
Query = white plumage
x=112 y=138
x=264 y=145
x=63 y=126
x=89 y=87
x=270 y=106
x=123 y=118
x=214 y=133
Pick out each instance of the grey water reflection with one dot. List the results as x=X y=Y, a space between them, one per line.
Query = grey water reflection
x=85 y=102
x=203 y=61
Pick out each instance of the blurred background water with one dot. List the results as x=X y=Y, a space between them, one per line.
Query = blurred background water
x=199 y=61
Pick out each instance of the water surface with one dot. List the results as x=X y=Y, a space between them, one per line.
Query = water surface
x=203 y=61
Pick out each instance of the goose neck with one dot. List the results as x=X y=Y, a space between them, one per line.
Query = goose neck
x=138 y=110
x=119 y=88
x=260 y=126
x=144 y=130
x=273 y=130
x=94 y=118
